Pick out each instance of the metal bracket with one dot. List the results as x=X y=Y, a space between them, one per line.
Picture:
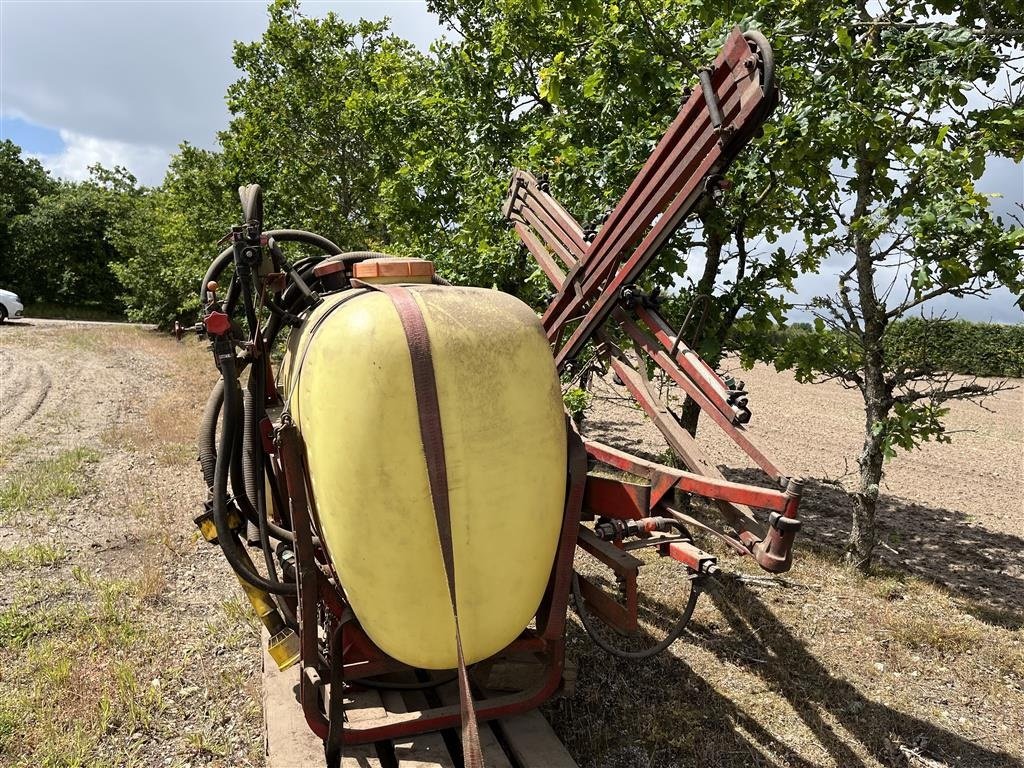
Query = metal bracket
x=784 y=524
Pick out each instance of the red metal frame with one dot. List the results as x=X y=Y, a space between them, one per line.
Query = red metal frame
x=592 y=279
x=710 y=130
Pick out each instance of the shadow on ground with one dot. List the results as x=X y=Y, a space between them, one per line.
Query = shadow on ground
x=750 y=692
x=983 y=567
x=667 y=713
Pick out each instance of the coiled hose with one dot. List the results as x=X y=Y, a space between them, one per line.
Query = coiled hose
x=229 y=436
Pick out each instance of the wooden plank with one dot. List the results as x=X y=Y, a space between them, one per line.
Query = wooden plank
x=288 y=741
x=425 y=750
x=493 y=752
x=533 y=743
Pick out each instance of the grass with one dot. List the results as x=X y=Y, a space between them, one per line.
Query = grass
x=69 y=678
x=38 y=487
x=11 y=446
x=168 y=428
x=87 y=674
x=49 y=310
x=37 y=554
x=125 y=653
x=838 y=670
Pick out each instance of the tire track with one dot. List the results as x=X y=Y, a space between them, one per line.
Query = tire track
x=24 y=387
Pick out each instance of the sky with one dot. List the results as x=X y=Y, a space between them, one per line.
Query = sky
x=124 y=82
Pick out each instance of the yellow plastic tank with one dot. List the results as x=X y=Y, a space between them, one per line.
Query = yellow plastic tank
x=349 y=377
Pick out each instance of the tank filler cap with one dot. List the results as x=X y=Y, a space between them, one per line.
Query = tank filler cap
x=394 y=271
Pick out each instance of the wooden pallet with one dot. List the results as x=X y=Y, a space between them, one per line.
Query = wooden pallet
x=524 y=741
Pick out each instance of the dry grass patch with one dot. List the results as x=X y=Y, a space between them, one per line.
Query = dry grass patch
x=91 y=676
x=116 y=645
x=167 y=425
x=39 y=554
x=11 y=446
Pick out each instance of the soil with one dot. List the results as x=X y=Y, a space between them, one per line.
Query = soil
x=951 y=512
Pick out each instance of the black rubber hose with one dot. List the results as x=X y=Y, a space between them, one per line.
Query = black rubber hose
x=247 y=506
x=225 y=257
x=251 y=196
x=208 y=433
x=229 y=543
x=247 y=456
x=217 y=266
x=291 y=301
x=238 y=487
x=253 y=463
x=231 y=297
x=282 y=534
x=646 y=653
x=250 y=431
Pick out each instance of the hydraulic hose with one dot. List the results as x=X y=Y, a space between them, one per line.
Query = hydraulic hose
x=229 y=431
x=253 y=463
x=225 y=257
x=239 y=491
x=646 y=653
x=251 y=452
x=208 y=433
x=251 y=196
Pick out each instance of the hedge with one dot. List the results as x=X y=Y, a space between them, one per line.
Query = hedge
x=958 y=346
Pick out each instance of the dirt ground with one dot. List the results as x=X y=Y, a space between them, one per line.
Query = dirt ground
x=124 y=640
x=920 y=665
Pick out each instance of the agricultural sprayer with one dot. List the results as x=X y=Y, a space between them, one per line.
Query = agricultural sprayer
x=407 y=471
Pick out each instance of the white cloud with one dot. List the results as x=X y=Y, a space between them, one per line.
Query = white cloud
x=147 y=163
x=147 y=72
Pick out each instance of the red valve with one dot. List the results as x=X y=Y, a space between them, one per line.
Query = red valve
x=217 y=324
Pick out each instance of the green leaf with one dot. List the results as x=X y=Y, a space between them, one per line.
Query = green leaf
x=843 y=38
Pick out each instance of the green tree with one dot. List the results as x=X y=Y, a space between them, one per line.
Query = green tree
x=22 y=182
x=582 y=91
x=169 y=236
x=886 y=122
x=908 y=109
x=61 y=250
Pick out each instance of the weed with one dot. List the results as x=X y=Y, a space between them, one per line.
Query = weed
x=42 y=485
x=939 y=635
x=11 y=446
x=40 y=555
x=151 y=584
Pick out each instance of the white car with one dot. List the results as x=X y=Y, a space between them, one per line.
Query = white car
x=10 y=305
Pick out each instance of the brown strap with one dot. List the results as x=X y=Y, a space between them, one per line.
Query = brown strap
x=415 y=327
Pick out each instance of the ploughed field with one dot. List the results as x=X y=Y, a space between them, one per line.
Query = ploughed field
x=124 y=640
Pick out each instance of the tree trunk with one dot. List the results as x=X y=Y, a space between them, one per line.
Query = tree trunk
x=714 y=239
x=877 y=399
x=863 y=534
